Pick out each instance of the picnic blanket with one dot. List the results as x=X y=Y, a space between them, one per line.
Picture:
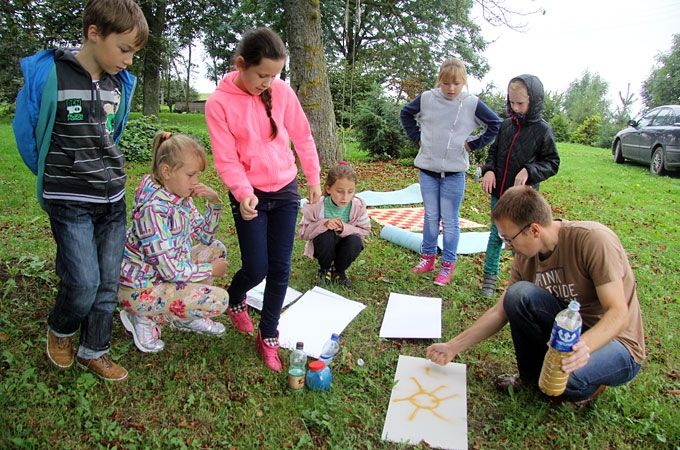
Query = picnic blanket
x=470 y=242
x=410 y=219
x=406 y=196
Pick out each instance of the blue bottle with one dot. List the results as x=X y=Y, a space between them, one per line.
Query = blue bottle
x=319 y=376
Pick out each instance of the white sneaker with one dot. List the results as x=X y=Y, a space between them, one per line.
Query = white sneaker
x=145 y=333
x=203 y=326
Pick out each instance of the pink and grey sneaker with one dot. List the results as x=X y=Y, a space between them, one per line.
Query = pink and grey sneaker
x=240 y=318
x=268 y=349
x=443 y=278
x=426 y=264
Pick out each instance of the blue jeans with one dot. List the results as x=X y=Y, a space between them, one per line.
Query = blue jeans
x=90 y=238
x=492 y=257
x=442 y=197
x=531 y=311
x=266 y=244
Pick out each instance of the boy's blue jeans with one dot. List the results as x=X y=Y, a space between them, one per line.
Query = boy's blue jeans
x=442 y=197
x=531 y=311
x=90 y=239
x=266 y=244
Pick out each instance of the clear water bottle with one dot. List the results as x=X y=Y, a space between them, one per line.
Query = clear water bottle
x=330 y=349
x=296 y=370
x=478 y=173
x=565 y=333
x=319 y=376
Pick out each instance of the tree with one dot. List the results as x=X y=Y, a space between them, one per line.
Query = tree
x=586 y=97
x=308 y=75
x=663 y=85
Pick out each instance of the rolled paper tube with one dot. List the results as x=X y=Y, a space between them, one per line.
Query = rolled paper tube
x=403 y=238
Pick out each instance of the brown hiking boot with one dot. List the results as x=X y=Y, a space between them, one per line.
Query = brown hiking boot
x=59 y=350
x=104 y=368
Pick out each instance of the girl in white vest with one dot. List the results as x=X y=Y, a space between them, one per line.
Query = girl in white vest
x=441 y=121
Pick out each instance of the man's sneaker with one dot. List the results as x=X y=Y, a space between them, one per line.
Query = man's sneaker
x=59 y=350
x=269 y=353
x=426 y=264
x=104 y=368
x=325 y=277
x=240 y=318
x=443 y=278
x=587 y=401
x=342 y=280
x=488 y=285
x=202 y=326
x=145 y=333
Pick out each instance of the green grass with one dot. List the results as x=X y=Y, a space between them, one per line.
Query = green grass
x=203 y=392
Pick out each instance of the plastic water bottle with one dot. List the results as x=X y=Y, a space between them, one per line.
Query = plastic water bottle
x=565 y=333
x=319 y=376
x=478 y=173
x=296 y=370
x=330 y=349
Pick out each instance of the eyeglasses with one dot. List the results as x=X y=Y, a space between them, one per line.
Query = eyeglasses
x=509 y=241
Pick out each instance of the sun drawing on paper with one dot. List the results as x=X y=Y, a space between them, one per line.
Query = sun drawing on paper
x=422 y=399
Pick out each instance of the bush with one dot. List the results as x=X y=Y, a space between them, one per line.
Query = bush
x=378 y=128
x=140 y=131
x=6 y=109
x=588 y=133
x=560 y=126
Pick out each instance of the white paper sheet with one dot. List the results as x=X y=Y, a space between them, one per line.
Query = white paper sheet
x=410 y=316
x=428 y=403
x=255 y=295
x=314 y=317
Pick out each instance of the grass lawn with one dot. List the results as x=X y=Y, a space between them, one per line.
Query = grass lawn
x=203 y=392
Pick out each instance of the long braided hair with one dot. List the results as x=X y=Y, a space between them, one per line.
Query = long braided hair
x=257 y=44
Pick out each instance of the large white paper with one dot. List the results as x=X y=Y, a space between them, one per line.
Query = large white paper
x=314 y=317
x=428 y=403
x=255 y=295
x=410 y=316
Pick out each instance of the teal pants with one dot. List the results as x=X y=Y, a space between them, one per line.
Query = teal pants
x=492 y=258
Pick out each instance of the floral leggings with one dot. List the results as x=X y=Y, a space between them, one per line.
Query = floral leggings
x=171 y=301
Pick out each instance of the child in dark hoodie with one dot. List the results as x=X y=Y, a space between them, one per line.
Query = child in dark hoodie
x=523 y=153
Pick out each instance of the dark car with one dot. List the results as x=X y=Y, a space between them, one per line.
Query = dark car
x=653 y=140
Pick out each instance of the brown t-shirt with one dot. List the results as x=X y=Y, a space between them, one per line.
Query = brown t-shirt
x=588 y=254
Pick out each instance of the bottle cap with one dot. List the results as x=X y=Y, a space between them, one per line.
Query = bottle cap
x=300 y=345
x=574 y=305
x=316 y=365
x=335 y=336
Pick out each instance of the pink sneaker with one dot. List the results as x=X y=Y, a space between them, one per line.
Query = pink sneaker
x=426 y=264
x=269 y=354
x=445 y=273
x=241 y=319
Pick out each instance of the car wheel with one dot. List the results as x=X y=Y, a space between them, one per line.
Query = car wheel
x=618 y=155
x=656 y=165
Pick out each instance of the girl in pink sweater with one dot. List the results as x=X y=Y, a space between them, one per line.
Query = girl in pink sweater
x=252 y=117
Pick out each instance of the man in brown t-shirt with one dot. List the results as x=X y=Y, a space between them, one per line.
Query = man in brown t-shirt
x=556 y=262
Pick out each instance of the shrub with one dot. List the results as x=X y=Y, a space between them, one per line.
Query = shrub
x=588 y=132
x=560 y=126
x=6 y=109
x=140 y=131
x=378 y=128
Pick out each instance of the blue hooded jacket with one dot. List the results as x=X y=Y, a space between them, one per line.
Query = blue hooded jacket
x=36 y=109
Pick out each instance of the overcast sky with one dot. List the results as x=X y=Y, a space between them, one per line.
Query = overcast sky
x=617 y=39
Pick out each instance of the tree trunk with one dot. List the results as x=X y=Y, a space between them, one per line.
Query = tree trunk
x=308 y=75
x=154 y=11
x=186 y=88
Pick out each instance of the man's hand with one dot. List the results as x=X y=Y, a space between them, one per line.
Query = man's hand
x=579 y=357
x=440 y=353
x=522 y=177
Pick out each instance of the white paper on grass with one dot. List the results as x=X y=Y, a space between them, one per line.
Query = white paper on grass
x=314 y=317
x=411 y=316
x=255 y=296
x=428 y=403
